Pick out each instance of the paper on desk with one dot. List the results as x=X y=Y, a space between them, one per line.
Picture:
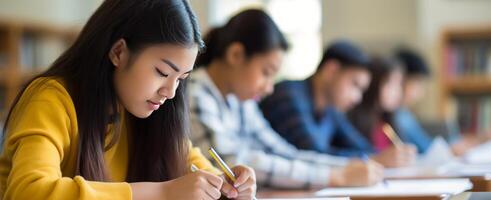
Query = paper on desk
x=466 y=169
x=433 y=163
x=439 y=153
x=451 y=169
x=479 y=155
x=416 y=187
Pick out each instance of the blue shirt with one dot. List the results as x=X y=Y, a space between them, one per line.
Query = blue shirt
x=290 y=111
x=410 y=131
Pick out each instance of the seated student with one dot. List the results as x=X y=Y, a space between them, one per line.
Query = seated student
x=310 y=113
x=239 y=66
x=415 y=84
x=377 y=108
x=108 y=120
x=415 y=80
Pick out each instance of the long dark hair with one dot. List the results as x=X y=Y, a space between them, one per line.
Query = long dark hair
x=252 y=28
x=158 y=145
x=369 y=112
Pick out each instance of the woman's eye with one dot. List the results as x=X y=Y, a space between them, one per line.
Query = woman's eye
x=160 y=73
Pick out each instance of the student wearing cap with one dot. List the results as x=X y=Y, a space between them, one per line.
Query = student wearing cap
x=310 y=113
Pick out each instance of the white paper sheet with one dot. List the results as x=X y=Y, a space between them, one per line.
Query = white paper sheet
x=439 y=161
x=439 y=153
x=417 y=187
x=479 y=155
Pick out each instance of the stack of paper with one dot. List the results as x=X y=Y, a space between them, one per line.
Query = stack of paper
x=417 y=187
x=438 y=161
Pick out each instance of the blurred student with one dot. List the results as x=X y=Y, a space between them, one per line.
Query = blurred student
x=310 y=113
x=108 y=120
x=239 y=66
x=415 y=82
x=380 y=101
x=417 y=75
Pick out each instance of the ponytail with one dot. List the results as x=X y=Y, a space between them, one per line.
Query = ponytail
x=252 y=28
x=211 y=40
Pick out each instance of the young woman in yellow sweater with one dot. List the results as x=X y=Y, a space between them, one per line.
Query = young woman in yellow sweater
x=109 y=120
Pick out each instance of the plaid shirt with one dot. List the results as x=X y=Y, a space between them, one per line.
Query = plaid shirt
x=239 y=132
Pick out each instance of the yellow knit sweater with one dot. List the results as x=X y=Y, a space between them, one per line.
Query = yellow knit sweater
x=39 y=155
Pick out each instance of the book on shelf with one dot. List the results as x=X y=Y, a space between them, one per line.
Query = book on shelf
x=38 y=52
x=472 y=57
x=474 y=114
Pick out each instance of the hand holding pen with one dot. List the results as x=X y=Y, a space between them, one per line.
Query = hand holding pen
x=243 y=179
x=398 y=155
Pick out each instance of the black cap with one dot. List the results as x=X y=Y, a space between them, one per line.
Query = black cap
x=413 y=63
x=347 y=53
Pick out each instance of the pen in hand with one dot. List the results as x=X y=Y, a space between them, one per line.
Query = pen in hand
x=228 y=172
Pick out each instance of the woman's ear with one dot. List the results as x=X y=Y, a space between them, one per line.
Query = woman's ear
x=119 y=53
x=330 y=69
x=235 y=54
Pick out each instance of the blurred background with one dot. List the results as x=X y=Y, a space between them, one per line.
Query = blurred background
x=453 y=35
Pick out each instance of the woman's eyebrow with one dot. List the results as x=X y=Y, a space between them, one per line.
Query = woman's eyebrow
x=172 y=65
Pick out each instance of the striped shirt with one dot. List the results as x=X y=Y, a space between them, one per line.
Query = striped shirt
x=239 y=132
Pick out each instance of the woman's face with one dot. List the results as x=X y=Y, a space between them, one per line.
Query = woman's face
x=254 y=78
x=145 y=81
x=391 y=91
x=414 y=89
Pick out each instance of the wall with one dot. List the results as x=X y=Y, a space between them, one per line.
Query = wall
x=61 y=12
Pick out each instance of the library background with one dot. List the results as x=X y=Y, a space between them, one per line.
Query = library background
x=453 y=35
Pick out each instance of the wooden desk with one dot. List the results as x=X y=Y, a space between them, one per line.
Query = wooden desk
x=481 y=183
x=271 y=193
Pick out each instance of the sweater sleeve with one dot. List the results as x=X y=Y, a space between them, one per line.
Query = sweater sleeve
x=198 y=159
x=38 y=143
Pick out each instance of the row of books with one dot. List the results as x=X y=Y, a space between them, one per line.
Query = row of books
x=474 y=114
x=468 y=58
x=38 y=52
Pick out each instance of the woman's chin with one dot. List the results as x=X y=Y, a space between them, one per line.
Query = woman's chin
x=142 y=114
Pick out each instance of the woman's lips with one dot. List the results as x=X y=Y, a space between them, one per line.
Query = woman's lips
x=153 y=106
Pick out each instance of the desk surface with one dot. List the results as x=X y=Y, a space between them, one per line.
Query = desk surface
x=307 y=194
x=481 y=184
x=269 y=193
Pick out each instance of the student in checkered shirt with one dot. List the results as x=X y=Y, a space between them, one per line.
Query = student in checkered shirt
x=238 y=68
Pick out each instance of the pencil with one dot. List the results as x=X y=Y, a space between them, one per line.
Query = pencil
x=391 y=134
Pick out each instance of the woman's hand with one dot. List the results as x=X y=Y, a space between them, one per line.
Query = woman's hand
x=357 y=173
x=244 y=187
x=397 y=156
x=197 y=185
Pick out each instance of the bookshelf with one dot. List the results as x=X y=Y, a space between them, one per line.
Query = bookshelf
x=26 y=49
x=466 y=77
